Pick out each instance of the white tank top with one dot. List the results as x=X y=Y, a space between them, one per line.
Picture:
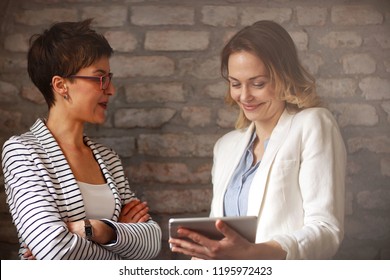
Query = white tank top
x=98 y=200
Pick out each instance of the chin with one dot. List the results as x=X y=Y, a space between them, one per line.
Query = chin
x=251 y=116
x=98 y=121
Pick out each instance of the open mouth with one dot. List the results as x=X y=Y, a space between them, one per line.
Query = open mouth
x=103 y=105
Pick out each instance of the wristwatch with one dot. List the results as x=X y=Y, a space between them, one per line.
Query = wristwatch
x=88 y=229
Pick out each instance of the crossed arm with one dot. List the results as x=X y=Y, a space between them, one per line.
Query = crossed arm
x=133 y=212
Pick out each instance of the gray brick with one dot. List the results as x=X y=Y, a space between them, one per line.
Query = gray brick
x=121 y=41
x=9 y=92
x=358 y=63
x=106 y=16
x=355 y=114
x=336 y=88
x=33 y=94
x=17 y=42
x=378 y=199
x=217 y=90
x=155 y=92
x=151 y=118
x=177 y=201
x=342 y=39
x=375 y=144
x=312 y=62
x=250 y=15
x=225 y=16
x=311 y=15
x=386 y=107
x=124 y=146
x=300 y=39
x=356 y=15
x=177 y=145
x=10 y=120
x=169 y=173
x=375 y=88
x=173 y=40
x=385 y=167
x=227 y=117
x=46 y=16
x=146 y=66
x=162 y=15
x=196 y=116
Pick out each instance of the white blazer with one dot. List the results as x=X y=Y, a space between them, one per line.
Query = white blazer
x=298 y=190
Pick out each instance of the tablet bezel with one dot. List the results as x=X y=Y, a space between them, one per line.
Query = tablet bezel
x=245 y=225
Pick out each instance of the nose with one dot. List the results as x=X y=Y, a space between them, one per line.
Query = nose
x=110 y=90
x=245 y=93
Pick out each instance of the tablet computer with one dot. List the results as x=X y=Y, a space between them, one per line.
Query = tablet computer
x=244 y=225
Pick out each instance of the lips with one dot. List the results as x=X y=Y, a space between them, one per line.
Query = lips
x=250 y=107
x=103 y=105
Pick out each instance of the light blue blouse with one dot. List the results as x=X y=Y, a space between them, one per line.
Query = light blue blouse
x=236 y=196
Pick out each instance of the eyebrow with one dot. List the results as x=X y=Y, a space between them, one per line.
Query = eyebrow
x=100 y=71
x=250 y=79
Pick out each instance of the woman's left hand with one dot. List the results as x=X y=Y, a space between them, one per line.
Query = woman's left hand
x=232 y=246
x=134 y=212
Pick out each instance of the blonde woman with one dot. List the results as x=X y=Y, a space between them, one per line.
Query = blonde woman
x=285 y=162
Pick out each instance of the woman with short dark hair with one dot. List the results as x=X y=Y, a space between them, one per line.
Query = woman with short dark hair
x=68 y=195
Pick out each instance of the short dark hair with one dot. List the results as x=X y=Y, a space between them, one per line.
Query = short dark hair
x=63 y=49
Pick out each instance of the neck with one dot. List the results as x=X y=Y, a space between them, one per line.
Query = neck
x=264 y=128
x=65 y=130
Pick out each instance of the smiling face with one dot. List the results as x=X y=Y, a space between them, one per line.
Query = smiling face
x=251 y=88
x=88 y=101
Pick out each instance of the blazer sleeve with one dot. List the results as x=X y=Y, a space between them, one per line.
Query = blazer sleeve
x=322 y=183
x=134 y=240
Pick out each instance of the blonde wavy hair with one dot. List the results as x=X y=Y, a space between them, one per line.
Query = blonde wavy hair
x=274 y=46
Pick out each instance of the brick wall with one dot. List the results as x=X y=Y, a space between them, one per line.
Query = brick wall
x=169 y=109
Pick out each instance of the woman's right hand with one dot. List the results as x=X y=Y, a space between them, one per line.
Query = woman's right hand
x=134 y=212
x=28 y=254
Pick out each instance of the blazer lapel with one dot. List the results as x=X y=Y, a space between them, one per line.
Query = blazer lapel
x=230 y=160
x=259 y=183
x=107 y=175
x=63 y=174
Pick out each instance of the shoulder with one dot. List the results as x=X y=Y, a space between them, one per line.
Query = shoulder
x=315 y=116
x=17 y=149
x=23 y=141
x=29 y=138
x=314 y=112
x=316 y=125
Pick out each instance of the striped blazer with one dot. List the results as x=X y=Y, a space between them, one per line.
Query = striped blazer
x=42 y=195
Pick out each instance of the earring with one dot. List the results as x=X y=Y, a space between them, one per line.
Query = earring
x=66 y=97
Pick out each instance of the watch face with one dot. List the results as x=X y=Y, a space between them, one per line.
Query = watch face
x=88 y=232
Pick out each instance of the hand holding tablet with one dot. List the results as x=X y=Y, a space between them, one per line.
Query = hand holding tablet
x=243 y=225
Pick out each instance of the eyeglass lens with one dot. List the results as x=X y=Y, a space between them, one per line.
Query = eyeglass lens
x=106 y=81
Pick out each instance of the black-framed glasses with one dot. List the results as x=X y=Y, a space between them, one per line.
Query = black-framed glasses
x=104 y=80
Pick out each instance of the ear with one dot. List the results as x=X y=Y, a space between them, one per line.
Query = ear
x=59 y=85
